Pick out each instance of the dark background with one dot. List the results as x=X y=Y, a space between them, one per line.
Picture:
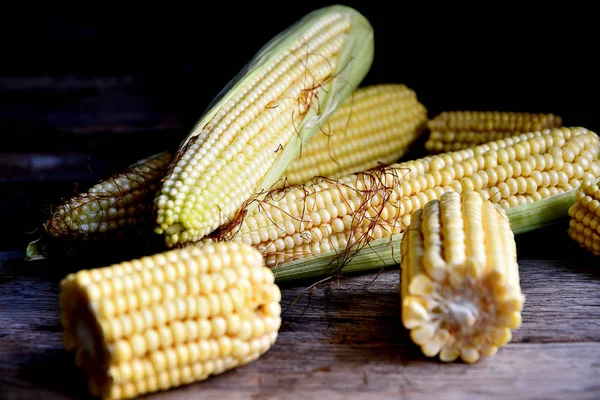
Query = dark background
x=85 y=91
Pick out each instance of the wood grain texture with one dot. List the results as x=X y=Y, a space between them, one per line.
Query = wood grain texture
x=339 y=341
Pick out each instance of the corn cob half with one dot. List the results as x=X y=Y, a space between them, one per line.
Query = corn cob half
x=456 y=130
x=170 y=319
x=247 y=139
x=377 y=124
x=329 y=222
x=460 y=288
x=584 y=226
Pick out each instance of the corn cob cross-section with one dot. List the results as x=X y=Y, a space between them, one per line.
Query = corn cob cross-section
x=455 y=130
x=329 y=215
x=460 y=288
x=169 y=319
x=247 y=139
x=377 y=124
x=584 y=226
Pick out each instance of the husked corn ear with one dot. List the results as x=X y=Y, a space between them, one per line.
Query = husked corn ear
x=455 y=130
x=111 y=205
x=169 y=319
x=584 y=226
x=247 y=139
x=343 y=215
x=377 y=124
x=460 y=288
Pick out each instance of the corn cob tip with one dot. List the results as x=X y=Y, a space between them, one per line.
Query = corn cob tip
x=460 y=289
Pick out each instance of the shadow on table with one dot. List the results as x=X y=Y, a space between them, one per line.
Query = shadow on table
x=55 y=370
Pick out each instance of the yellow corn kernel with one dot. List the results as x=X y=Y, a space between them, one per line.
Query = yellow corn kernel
x=455 y=130
x=211 y=310
x=460 y=288
x=377 y=124
x=341 y=215
x=584 y=226
x=113 y=204
x=247 y=139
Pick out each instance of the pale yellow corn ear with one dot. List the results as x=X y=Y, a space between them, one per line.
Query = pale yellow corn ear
x=456 y=130
x=251 y=133
x=376 y=125
x=170 y=319
x=584 y=226
x=111 y=205
x=460 y=289
x=301 y=229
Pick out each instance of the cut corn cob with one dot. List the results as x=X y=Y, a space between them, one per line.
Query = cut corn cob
x=377 y=124
x=584 y=226
x=341 y=217
x=169 y=319
x=460 y=288
x=247 y=139
x=455 y=130
x=122 y=200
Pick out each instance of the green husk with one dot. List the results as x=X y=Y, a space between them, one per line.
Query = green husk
x=385 y=252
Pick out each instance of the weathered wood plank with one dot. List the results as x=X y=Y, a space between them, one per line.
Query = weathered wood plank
x=561 y=305
x=346 y=340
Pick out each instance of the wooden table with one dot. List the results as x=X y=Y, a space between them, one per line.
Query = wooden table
x=339 y=341
x=347 y=341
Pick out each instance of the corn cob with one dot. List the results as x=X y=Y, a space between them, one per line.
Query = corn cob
x=329 y=219
x=456 y=130
x=111 y=205
x=460 y=278
x=376 y=125
x=584 y=226
x=169 y=319
x=247 y=139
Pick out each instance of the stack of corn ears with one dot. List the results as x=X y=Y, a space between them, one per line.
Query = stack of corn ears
x=375 y=125
x=294 y=170
x=180 y=316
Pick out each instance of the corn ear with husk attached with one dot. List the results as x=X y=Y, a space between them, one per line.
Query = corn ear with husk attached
x=259 y=124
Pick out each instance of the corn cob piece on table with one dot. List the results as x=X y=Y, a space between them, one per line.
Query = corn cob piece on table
x=460 y=288
x=584 y=226
x=170 y=319
x=456 y=130
x=302 y=229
